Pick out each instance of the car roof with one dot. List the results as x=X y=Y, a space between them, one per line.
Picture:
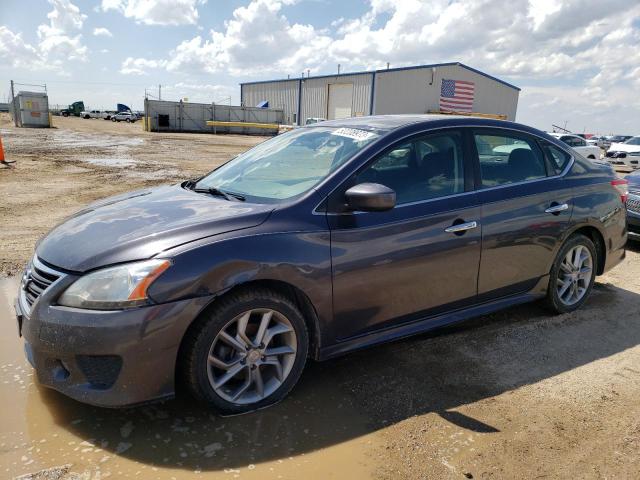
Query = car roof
x=388 y=123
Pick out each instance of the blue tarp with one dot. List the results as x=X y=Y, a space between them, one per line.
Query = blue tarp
x=123 y=108
x=263 y=104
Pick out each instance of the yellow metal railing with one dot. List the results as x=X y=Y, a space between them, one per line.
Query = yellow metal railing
x=471 y=114
x=220 y=123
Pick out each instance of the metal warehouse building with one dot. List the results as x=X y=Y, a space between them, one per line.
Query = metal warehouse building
x=418 y=89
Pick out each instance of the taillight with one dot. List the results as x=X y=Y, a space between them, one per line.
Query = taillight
x=623 y=187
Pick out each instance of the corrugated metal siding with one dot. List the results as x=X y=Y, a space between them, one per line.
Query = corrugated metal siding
x=192 y=117
x=418 y=91
x=315 y=95
x=280 y=95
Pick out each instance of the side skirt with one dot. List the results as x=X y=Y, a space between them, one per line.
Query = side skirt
x=431 y=323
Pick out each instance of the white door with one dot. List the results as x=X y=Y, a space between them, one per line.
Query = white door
x=340 y=98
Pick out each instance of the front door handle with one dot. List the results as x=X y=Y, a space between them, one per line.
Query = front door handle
x=461 y=227
x=557 y=208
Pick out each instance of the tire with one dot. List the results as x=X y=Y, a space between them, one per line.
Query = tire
x=591 y=157
x=113 y=119
x=204 y=341
x=128 y=120
x=560 y=301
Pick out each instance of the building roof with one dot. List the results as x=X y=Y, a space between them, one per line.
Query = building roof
x=383 y=70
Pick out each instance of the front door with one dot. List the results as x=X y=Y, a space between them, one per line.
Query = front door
x=417 y=259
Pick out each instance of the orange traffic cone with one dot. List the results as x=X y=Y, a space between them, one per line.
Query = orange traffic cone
x=2 y=160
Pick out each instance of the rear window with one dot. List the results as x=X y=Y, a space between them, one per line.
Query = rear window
x=558 y=159
x=508 y=159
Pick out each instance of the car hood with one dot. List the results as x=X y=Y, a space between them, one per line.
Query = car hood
x=624 y=147
x=141 y=224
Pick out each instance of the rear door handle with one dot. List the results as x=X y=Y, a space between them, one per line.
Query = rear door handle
x=461 y=227
x=557 y=208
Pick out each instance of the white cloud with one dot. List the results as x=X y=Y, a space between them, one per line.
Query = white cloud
x=15 y=52
x=157 y=12
x=140 y=66
x=58 y=41
x=101 y=31
x=257 y=39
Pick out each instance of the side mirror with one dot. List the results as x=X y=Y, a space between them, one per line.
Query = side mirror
x=370 y=197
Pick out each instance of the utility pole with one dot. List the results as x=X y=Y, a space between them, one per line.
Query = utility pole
x=338 y=69
x=13 y=105
x=159 y=92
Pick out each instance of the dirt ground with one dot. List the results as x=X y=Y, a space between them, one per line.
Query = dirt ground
x=517 y=394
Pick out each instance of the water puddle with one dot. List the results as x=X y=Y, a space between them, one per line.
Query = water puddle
x=315 y=433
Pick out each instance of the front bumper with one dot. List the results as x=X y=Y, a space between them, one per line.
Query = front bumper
x=623 y=159
x=105 y=358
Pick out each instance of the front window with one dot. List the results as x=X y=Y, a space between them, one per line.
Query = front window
x=288 y=165
x=633 y=141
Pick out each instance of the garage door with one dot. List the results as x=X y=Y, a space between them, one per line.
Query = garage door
x=340 y=97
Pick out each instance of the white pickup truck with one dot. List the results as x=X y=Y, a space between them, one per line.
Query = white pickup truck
x=91 y=114
x=580 y=145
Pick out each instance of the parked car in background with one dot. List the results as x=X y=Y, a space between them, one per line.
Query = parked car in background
x=312 y=120
x=322 y=240
x=91 y=114
x=633 y=206
x=124 y=117
x=611 y=139
x=107 y=114
x=580 y=145
x=625 y=154
x=596 y=141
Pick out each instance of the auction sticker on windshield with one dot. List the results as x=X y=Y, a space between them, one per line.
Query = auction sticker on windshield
x=354 y=133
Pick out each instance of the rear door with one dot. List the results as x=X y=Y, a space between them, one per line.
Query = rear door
x=421 y=257
x=526 y=207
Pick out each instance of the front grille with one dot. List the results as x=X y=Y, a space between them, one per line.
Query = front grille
x=101 y=371
x=37 y=278
x=633 y=204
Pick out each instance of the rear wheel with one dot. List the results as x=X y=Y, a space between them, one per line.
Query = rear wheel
x=572 y=275
x=247 y=353
x=128 y=120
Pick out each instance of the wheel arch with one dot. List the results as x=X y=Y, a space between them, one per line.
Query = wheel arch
x=596 y=236
x=295 y=294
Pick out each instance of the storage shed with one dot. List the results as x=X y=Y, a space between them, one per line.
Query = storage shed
x=443 y=87
x=30 y=109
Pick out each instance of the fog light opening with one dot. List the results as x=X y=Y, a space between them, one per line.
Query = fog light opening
x=60 y=371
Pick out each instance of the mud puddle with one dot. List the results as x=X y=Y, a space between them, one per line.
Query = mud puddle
x=316 y=433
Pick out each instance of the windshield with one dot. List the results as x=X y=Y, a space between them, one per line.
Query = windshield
x=633 y=141
x=288 y=165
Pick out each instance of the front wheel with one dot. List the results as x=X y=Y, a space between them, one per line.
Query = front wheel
x=128 y=120
x=247 y=353
x=572 y=275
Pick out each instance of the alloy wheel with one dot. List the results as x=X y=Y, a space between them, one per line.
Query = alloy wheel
x=574 y=275
x=252 y=356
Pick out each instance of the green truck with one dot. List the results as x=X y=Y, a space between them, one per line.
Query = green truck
x=74 y=109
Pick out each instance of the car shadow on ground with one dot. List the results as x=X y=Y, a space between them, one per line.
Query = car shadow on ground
x=346 y=398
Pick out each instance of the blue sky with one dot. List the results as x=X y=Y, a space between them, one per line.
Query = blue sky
x=577 y=61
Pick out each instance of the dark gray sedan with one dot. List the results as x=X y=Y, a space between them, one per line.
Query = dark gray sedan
x=326 y=239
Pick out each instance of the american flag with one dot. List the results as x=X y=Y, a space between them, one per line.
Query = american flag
x=456 y=96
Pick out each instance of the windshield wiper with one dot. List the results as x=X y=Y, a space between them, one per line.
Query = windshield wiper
x=191 y=185
x=220 y=193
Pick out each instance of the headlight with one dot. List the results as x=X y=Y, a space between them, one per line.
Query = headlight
x=114 y=288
